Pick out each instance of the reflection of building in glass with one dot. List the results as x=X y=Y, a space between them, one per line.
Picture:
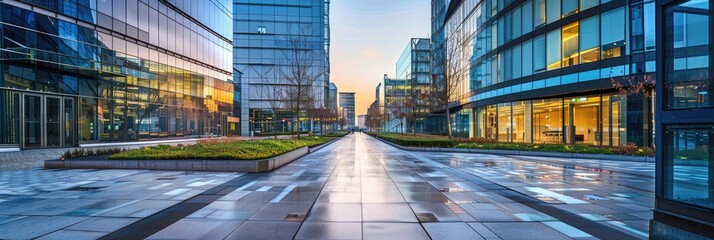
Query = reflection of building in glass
x=347 y=108
x=542 y=71
x=271 y=41
x=684 y=206
x=86 y=71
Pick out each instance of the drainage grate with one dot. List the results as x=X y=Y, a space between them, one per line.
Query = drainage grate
x=427 y=217
x=166 y=178
x=295 y=217
x=83 y=188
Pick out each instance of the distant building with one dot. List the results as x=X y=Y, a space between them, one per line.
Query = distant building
x=361 y=121
x=267 y=38
x=332 y=97
x=347 y=107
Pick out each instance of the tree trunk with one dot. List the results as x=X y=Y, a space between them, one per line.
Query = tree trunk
x=448 y=121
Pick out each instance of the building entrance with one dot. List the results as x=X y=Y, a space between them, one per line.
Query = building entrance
x=47 y=121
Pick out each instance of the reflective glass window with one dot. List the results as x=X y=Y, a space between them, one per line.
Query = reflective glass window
x=612 y=35
x=538 y=13
x=553 y=49
x=585 y=4
x=590 y=39
x=527 y=58
x=539 y=53
x=688 y=159
x=570 y=7
x=553 y=11
x=527 y=17
x=687 y=56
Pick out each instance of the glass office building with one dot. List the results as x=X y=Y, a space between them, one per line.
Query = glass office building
x=347 y=108
x=543 y=71
x=269 y=37
x=85 y=71
x=684 y=207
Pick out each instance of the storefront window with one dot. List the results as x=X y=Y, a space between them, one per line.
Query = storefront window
x=505 y=126
x=688 y=160
x=491 y=122
x=521 y=121
x=585 y=119
x=548 y=121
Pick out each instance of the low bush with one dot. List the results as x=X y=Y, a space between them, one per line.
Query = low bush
x=416 y=140
x=629 y=150
x=80 y=152
x=221 y=150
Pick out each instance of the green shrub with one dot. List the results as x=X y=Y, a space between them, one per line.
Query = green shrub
x=417 y=140
x=217 y=150
x=80 y=152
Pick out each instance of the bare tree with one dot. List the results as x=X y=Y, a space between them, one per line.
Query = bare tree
x=276 y=102
x=301 y=71
x=374 y=116
x=448 y=74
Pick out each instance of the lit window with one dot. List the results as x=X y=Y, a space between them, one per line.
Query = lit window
x=570 y=45
x=261 y=29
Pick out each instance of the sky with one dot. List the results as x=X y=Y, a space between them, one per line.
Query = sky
x=367 y=38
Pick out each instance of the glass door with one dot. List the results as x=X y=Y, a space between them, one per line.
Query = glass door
x=69 y=123
x=32 y=121
x=53 y=132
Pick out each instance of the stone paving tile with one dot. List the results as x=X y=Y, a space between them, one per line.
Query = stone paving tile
x=267 y=230
x=198 y=229
x=33 y=227
x=356 y=188
x=74 y=235
x=451 y=231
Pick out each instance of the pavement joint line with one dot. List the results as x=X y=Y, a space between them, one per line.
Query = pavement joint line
x=150 y=225
x=572 y=219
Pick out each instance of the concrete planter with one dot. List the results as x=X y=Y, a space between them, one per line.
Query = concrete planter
x=611 y=157
x=261 y=165
x=318 y=147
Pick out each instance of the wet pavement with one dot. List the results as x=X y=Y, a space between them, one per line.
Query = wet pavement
x=356 y=188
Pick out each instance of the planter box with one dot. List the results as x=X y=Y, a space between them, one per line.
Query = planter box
x=261 y=165
x=525 y=153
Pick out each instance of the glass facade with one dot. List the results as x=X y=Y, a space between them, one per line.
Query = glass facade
x=347 y=107
x=519 y=51
x=269 y=40
x=89 y=70
x=685 y=189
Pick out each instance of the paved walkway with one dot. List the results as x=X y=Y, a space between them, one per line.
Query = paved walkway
x=356 y=188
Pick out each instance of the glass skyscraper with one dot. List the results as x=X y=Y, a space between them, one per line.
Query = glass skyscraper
x=269 y=38
x=545 y=71
x=347 y=107
x=84 y=71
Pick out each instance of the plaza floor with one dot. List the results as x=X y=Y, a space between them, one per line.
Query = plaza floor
x=356 y=188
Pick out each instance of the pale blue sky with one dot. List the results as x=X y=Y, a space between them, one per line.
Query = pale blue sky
x=367 y=38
